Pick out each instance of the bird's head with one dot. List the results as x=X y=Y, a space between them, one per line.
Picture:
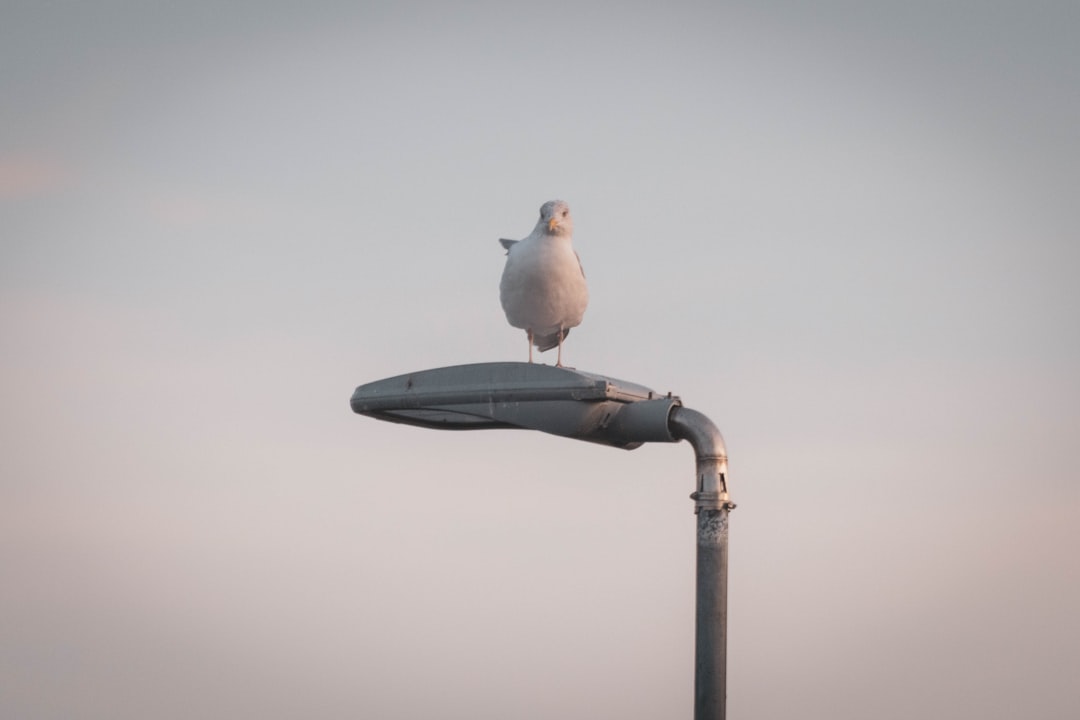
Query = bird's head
x=555 y=218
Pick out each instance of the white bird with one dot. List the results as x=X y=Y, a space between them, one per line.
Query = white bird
x=543 y=288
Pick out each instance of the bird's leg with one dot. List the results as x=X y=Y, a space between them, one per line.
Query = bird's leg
x=528 y=336
x=558 y=362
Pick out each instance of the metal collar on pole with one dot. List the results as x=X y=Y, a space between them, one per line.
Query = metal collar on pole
x=710 y=454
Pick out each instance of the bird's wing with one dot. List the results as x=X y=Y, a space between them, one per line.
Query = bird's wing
x=582 y=269
x=507 y=243
x=544 y=343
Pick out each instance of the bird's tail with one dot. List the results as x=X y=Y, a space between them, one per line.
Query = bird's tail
x=544 y=343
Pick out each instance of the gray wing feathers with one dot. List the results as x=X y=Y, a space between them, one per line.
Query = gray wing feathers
x=507 y=243
x=544 y=343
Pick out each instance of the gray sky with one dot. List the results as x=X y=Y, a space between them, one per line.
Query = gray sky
x=845 y=231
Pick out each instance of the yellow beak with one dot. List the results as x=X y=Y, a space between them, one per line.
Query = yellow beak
x=552 y=223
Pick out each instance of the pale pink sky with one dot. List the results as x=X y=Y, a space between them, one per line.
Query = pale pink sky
x=846 y=232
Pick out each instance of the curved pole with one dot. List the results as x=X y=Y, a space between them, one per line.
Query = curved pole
x=710 y=453
x=711 y=504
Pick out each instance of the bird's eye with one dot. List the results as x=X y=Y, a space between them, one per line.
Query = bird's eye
x=565 y=213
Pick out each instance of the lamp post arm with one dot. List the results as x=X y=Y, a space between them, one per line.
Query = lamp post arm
x=709 y=454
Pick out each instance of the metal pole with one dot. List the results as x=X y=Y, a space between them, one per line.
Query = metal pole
x=710 y=676
x=711 y=504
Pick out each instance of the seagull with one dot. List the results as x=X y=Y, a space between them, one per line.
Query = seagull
x=543 y=288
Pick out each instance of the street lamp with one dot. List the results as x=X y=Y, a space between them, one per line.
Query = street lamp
x=599 y=409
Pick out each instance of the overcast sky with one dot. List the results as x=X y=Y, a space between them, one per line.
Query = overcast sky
x=845 y=231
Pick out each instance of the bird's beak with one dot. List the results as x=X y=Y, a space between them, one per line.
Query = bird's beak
x=552 y=223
